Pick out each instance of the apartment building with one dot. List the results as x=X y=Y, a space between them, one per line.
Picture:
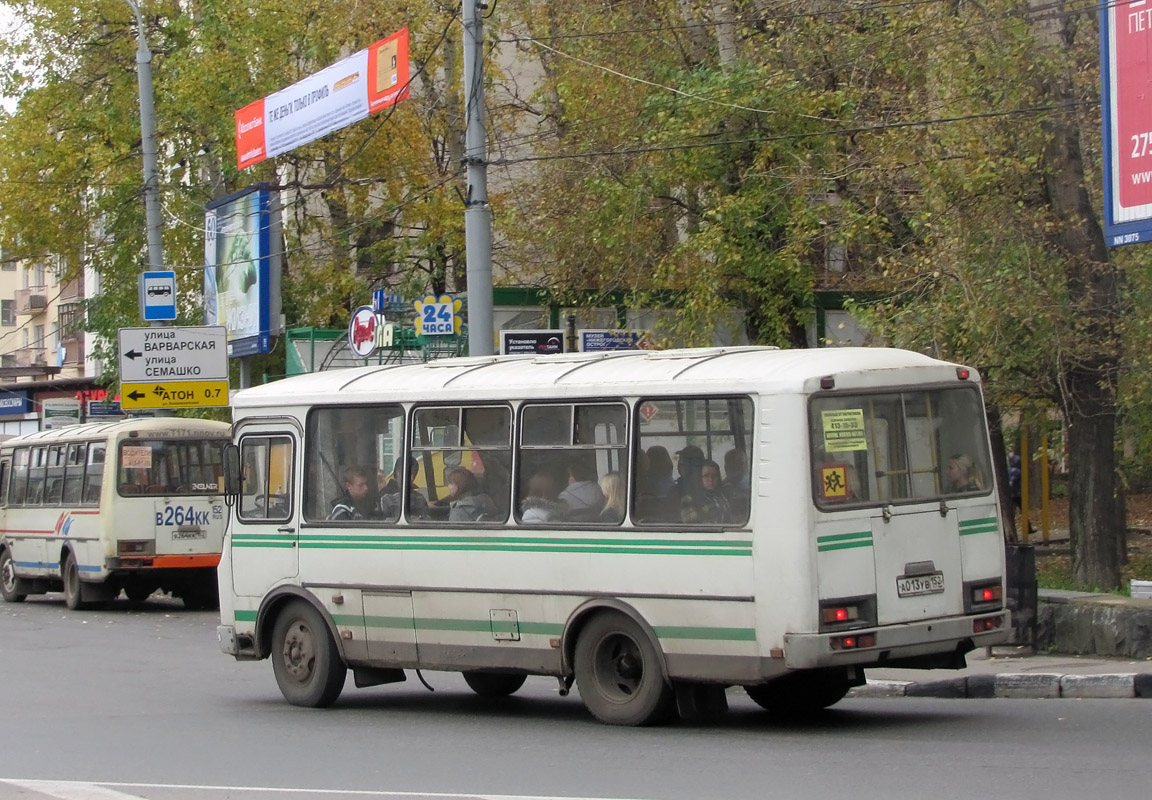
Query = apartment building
x=42 y=341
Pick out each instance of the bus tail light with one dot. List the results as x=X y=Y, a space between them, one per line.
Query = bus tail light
x=136 y=547
x=856 y=642
x=847 y=612
x=985 y=624
x=986 y=595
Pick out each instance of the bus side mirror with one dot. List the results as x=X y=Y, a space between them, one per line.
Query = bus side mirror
x=231 y=471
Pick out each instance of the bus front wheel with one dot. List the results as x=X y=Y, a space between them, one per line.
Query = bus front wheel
x=70 y=573
x=618 y=673
x=9 y=584
x=494 y=684
x=307 y=664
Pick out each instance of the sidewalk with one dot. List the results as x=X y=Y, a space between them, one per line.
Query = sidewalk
x=1017 y=672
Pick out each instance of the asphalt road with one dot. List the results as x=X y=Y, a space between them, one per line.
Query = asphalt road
x=138 y=702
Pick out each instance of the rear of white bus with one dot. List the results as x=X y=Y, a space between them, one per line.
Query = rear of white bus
x=906 y=535
x=167 y=514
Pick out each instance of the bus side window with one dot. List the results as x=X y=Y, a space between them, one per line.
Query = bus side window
x=54 y=475
x=36 y=477
x=74 y=473
x=692 y=461
x=18 y=489
x=266 y=478
x=5 y=468
x=94 y=474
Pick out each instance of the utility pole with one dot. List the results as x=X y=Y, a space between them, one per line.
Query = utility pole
x=477 y=212
x=148 y=143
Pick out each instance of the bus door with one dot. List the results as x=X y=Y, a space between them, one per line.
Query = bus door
x=265 y=533
x=919 y=570
x=918 y=566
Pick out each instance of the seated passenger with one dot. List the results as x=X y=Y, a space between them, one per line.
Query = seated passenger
x=612 y=485
x=466 y=503
x=542 y=503
x=737 y=485
x=582 y=494
x=390 y=493
x=705 y=504
x=357 y=502
x=963 y=475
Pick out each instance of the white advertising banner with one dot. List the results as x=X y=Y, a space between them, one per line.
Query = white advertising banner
x=333 y=98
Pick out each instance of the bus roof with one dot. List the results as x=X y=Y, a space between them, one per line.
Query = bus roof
x=108 y=430
x=574 y=374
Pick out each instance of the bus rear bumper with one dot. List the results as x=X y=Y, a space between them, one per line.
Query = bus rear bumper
x=896 y=643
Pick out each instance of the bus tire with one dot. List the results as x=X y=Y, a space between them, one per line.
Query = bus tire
x=70 y=575
x=801 y=692
x=305 y=660
x=10 y=585
x=201 y=598
x=494 y=684
x=618 y=673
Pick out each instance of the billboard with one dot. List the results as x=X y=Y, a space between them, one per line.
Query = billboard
x=333 y=98
x=242 y=268
x=1126 y=94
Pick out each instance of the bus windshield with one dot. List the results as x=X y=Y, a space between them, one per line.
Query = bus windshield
x=899 y=447
x=170 y=466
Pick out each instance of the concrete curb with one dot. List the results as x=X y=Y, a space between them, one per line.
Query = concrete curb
x=1017 y=685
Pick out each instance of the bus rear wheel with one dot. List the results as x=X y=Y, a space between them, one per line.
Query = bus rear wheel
x=494 y=684
x=10 y=585
x=70 y=574
x=801 y=692
x=618 y=673
x=305 y=660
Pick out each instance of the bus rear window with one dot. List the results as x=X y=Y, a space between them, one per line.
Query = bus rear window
x=898 y=447
x=170 y=466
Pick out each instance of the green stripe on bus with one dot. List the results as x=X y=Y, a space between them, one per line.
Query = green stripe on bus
x=841 y=537
x=982 y=521
x=525 y=628
x=843 y=541
x=508 y=548
x=983 y=525
x=720 y=634
x=824 y=548
x=331 y=537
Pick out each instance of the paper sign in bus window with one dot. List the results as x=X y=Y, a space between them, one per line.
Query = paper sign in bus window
x=834 y=481
x=135 y=457
x=844 y=430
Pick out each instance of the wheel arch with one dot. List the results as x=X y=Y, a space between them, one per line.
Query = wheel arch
x=270 y=608
x=602 y=605
x=66 y=550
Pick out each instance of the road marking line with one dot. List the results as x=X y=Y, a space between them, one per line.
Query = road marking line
x=78 y=790
x=73 y=790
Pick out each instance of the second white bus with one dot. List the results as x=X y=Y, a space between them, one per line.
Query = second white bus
x=784 y=520
x=131 y=505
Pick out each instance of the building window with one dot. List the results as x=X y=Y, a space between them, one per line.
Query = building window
x=7 y=313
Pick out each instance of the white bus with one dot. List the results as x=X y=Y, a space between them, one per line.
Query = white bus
x=816 y=523
x=132 y=505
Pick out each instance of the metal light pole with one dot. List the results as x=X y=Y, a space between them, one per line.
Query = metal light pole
x=477 y=212
x=148 y=142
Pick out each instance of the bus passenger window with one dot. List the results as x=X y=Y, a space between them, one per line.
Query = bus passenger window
x=692 y=461
x=94 y=474
x=18 y=490
x=465 y=457
x=350 y=454
x=74 y=473
x=566 y=449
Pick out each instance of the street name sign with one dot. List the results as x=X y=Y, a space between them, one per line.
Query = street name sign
x=173 y=367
